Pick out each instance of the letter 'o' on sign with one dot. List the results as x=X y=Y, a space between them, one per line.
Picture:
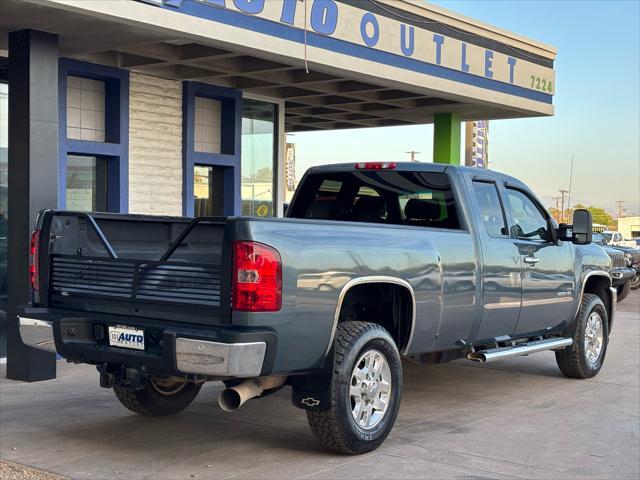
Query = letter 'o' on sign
x=324 y=16
x=249 y=6
x=369 y=29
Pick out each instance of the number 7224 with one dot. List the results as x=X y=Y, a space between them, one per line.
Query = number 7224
x=541 y=84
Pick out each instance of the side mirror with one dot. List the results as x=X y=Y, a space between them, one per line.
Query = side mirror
x=582 y=227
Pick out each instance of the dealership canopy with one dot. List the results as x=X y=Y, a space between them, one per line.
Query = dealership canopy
x=345 y=64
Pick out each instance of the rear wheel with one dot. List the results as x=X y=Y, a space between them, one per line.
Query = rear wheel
x=365 y=390
x=623 y=290
x=584 y=358
x=159 y=397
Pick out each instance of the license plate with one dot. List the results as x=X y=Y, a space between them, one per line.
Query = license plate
x=126 y=337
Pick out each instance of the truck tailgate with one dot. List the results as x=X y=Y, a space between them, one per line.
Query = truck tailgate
x=157 y=267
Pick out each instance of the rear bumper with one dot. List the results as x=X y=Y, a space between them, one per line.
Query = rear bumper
x=170 y=349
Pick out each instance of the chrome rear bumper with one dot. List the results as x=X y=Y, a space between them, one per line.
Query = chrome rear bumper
x=37 y=333
x=220 y=359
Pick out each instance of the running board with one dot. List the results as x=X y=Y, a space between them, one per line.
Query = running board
x=484 y=356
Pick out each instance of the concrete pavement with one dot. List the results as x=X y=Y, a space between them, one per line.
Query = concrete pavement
x=515 y=419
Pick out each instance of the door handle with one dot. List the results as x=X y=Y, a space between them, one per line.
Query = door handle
x=531 y=260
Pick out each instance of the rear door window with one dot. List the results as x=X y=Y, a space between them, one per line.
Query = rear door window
x=490 y=208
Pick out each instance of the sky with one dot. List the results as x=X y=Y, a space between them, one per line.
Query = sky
x=597 y=107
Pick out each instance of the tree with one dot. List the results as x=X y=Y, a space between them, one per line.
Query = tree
x=599 y=215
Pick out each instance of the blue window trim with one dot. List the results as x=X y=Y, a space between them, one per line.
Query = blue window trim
x=116 y=146
x=230 y=139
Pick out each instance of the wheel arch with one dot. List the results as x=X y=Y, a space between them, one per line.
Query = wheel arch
x=352 y=286
x=598 y=282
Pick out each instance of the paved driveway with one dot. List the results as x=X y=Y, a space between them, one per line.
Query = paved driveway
x=515 y=419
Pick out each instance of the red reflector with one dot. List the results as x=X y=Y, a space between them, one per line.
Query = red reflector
x=34 y=263
x=257 y=277
x=376 y=165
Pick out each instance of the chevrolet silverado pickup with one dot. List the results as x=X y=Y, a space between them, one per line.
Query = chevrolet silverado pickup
x=373 y=262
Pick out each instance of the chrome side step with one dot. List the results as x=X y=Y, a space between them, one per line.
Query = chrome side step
x=484 y=356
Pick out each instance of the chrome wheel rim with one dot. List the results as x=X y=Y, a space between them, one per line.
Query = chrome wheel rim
x=370 y=389
x=593 y=338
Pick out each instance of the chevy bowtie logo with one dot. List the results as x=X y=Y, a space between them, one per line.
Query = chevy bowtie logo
x=310 y=402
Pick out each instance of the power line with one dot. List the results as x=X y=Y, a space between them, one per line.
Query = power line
x=413 y=154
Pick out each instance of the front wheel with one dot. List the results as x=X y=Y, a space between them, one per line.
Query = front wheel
x=634 y=283
x=584 y=358
x=159 y=397
x=365 y=390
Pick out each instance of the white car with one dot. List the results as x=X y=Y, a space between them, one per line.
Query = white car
x=616 y=239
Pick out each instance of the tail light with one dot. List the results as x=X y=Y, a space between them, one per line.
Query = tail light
x=257 y=277
x=376 y=165
x=34 y=262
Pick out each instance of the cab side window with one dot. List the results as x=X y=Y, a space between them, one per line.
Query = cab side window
x=490 y=208
x=529 y=221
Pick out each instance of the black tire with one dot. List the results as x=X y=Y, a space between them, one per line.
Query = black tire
x=623 y=290
x=336 y=427
x=634 y=283
x=156 y=401
x=573 y=361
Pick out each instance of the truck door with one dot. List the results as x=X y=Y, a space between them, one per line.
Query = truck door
x=501 y=260
x=548 y=282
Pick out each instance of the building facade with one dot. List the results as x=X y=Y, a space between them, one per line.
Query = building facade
x=180 y=107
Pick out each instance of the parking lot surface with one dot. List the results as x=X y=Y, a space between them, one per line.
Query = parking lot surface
x=519 y=418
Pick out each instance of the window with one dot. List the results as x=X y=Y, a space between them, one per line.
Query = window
x=258 y=157
x=394 y=197
x=85 y=109
x=207 y=190
x=529 y=221
x=86 y=183
x=93 y=137
x=490 y=208
x=211 y=136
x=208 y=125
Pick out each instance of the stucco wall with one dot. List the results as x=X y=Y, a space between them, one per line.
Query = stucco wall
x=155 y=145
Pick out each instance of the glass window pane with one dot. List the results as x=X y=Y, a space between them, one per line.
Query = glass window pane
x=208 y=123
x=207 y=190
x=85 y=109
x=490 y=208
x=527 y=217
x=4 y=145
x=258 y=158
x=86 y=183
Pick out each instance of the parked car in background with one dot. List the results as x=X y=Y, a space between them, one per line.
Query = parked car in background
x=625 y=273
x=615 y=239
x=374 y=261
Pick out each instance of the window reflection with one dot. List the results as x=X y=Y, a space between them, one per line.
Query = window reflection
x=258 y=158
x=86 y=183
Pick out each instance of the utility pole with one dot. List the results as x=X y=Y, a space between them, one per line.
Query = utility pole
x=557 y=200
x=570 y=183
x=621 y=210
x=413 y=154
x=563 y=192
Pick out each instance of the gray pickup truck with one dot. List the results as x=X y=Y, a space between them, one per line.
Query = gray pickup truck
x=374 y=261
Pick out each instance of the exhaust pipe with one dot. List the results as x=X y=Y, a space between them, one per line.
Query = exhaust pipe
x=231 y=399
x=485 y=356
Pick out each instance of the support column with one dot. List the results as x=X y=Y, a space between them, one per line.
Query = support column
x=446 y=138
x=33 y=179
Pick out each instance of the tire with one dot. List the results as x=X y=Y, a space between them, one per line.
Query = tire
x=155 y=400
x=623 y=290
x=360 y=348
x=579 y=360
x=634 y=283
